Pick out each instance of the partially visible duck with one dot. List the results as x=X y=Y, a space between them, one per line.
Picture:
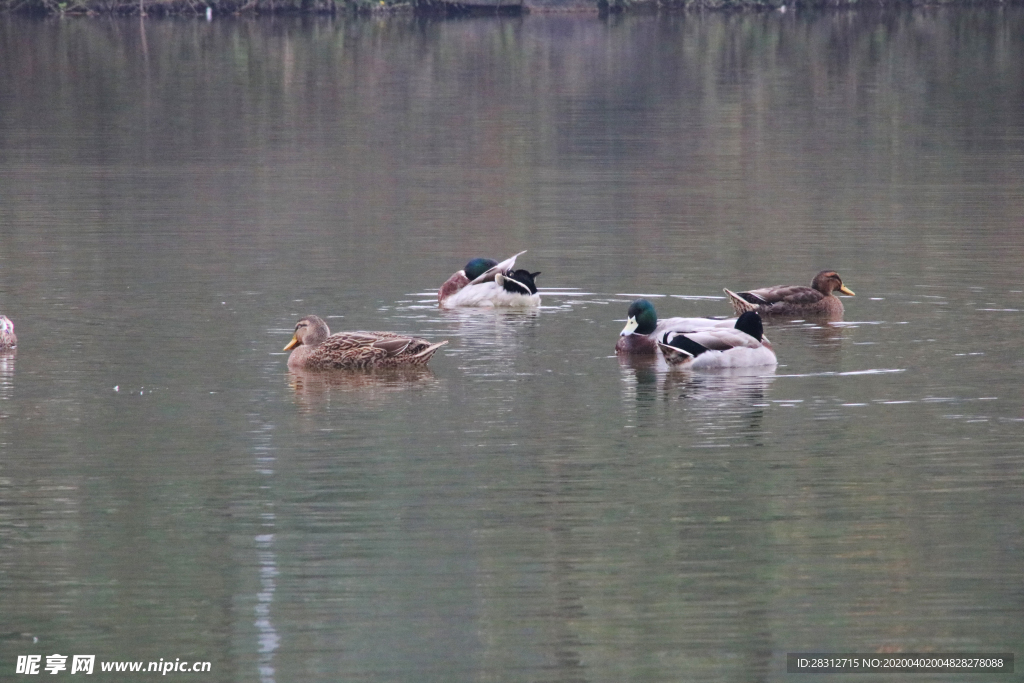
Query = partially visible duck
x=7 y=338
x=643 y=330
x=741 y=346
x=818 y=300
x=313 y=347
x=486 y=283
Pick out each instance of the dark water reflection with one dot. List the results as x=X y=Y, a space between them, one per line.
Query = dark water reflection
x=314 y=389
x=529 y=508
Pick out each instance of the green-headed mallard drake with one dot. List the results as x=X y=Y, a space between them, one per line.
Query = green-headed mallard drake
x=7 y=338
x=741 y=346
x=486 y=283
x=643 y=330
x=795 y=300
x=315 y=348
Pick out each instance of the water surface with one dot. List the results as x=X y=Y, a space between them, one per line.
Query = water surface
x=175 y=194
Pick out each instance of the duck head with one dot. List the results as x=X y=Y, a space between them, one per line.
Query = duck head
x=828 y=281
x=640 y=318
x=478 y=267
x=310 y=331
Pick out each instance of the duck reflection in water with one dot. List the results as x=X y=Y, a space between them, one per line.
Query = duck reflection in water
x=724 y=390
x=8 y=352
x=314 y=388
x=821 y=340
x=651 y=377
x=714 y=407
x=490 y=339
x=7 y=358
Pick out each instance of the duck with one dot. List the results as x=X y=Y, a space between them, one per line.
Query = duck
x=487 y=283
x=795 y=300
x=8 y=340
x=313 y=347
x=741 y=346
x=643 y=329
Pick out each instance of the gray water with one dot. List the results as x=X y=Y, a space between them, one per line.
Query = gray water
x=175 y=194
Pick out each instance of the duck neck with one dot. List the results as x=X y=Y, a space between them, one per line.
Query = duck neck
x=635 y=344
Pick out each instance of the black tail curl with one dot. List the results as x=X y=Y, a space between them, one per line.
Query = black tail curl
x=520 y=282
x=684 y=343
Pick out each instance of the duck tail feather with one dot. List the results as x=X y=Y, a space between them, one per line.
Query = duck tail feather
x=739 y=304
x=426 y=353
x=674 y=355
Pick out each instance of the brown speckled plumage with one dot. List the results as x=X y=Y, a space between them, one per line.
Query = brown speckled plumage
x=818 y=300
x=313 y=347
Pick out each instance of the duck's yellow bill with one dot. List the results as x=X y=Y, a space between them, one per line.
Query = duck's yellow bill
x=847 y=291
x=292 y=344
x=631 y=325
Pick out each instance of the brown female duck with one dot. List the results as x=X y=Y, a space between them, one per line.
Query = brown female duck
x=313 y=347
x=818 y=300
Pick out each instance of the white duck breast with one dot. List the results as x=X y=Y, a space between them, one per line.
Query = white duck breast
x=490 y=294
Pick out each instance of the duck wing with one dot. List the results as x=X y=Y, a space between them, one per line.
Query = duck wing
x=718 y=339
x=403 y=345
x=393 y=346
x=348 y=341
x=800 y=295
x=673 y=326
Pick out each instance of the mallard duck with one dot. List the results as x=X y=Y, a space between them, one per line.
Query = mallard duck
x=315 y=348
x=486 y=283
x=7 y=338
x=794 y=300
x=741 y=346
x=643 y=329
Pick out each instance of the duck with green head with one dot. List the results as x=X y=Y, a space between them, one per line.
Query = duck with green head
x=486 y=283
x=643 y=330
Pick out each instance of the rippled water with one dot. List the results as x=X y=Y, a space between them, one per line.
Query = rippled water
x=175 y=195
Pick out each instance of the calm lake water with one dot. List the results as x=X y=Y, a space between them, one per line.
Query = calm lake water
x=174 y=195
